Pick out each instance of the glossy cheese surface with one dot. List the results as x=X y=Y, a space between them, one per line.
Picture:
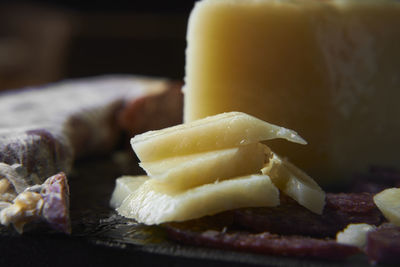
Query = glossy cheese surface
x=149 y=204
x=190 y=176
x=329 y=69
x=295 y=183
x=124 y=186
x=388 y=202
x=225 y=130
x=181 y=173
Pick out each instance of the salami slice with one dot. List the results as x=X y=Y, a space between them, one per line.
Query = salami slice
x=195 y=233
x=376 y=180
x=383 y=245
x=292 y=219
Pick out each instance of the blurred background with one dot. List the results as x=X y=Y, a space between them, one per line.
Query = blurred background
x=43 y=41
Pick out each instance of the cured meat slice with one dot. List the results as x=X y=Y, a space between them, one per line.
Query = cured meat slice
x=348 y=208
x=194 y=233
x=292 y=219
x=288 y=219
x=162 y=110
x=43 y=130
x=376 y=180
x=383 y=245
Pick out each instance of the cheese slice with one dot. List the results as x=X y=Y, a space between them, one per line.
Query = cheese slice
x=149 y=204
x=295 y=183
x=220 y=131
x=124 y=186
x=388 y=202
x=181 y=173
x=329 y=69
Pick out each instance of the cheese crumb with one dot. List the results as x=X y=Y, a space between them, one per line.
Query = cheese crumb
x=355 y=234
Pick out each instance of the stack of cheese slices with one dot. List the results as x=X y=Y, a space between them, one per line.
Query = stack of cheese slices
x=209 y=166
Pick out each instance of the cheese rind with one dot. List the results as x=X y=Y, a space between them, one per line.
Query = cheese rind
x=149 y=205
x=328 y=69
x=221 y=131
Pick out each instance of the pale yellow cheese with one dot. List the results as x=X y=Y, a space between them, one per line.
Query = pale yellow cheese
x=329 y=69
x=388 y=202
x=220 y=131
x=190 y=176
x=149 y=204
x=236 y=156
x=181 y=173
x=355 y=234
x=295 y=183
x=124 y=186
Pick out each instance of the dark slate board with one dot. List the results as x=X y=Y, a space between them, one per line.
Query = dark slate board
x=102 y=238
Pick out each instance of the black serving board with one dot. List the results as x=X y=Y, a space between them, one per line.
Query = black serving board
x=100 y=237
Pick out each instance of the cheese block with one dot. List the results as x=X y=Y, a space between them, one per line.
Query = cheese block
x=150 y=205
x=329 y=69
x=225 y=130
x=295 y=183
x=181 y=173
